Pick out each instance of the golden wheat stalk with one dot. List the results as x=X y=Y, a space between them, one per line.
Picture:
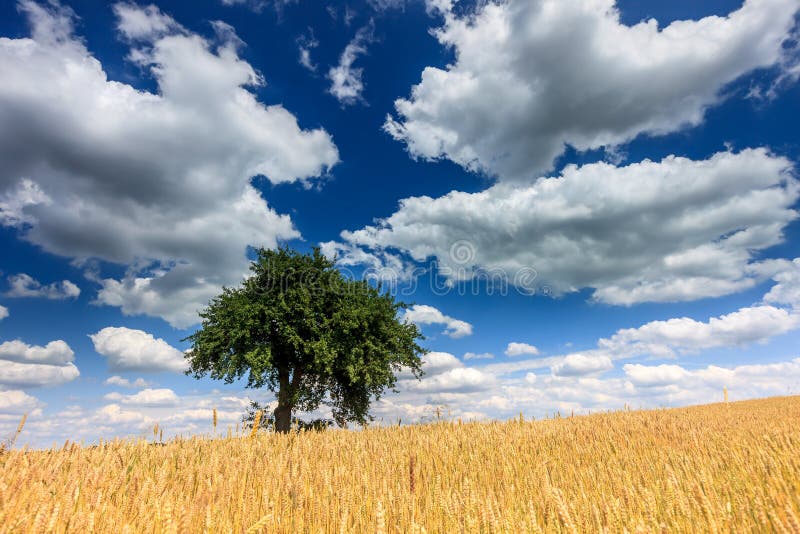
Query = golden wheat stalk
x=256 y=423
x=19 y=430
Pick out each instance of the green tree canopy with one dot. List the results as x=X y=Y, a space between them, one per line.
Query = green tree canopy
x=300 y=328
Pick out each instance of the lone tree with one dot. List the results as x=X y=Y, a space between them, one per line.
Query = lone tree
x=300 y=328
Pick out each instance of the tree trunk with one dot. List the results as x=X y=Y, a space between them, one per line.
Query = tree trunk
x=283 y=419
x=283 y=412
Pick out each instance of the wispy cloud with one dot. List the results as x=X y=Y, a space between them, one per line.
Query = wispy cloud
x=258 y=5
x=476 y=356
x=305 y=44
x=347 y=84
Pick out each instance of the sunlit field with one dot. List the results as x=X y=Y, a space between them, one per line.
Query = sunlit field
x=722 y=467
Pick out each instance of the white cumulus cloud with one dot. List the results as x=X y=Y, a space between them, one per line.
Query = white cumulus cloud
x=3 y=312
x=655 y=375
x=645 y=386
x=439 y=362
x=533 y=76
x=518 y=349
x=787 y=289
x=15 y=402
x=669 y=338
x=134 y=350
x=680 y=335
x=17 y=374
x=113 y=414
x=582 y=364
x=674 y=230
x=24 y=365
x=422 y=314
x=146 y=397
x=458 y=379
x=159 y=182
x=144 y=23
x=117 y=380
x=23 y=285
x=744 y=381
x=54 y=353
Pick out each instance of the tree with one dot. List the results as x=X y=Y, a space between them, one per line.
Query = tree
x=312 y=336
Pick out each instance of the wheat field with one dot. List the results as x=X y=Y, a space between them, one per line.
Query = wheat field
x=716 y=468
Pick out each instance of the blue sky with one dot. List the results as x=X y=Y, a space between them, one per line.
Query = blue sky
x=624 y=172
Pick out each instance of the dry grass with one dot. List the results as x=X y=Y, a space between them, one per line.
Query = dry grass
x=726 y=468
